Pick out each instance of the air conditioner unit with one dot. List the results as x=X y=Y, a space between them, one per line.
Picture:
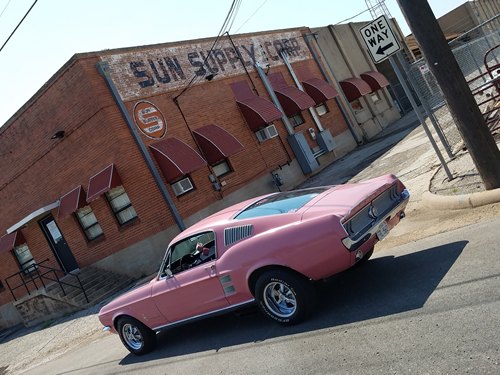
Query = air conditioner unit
x=267 y=133
x=182 y=186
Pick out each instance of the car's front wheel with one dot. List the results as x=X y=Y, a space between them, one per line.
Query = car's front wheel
x=284 y=296
x=136 y=337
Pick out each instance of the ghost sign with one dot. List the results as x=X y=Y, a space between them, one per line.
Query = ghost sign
x=379 y=39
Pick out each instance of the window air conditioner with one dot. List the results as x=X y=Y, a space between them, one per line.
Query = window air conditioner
x=267 y=133
x=182 y=186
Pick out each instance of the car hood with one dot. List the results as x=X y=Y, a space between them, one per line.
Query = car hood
x=137 y=294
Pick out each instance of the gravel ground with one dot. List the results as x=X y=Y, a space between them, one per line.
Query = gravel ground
x=466 y=177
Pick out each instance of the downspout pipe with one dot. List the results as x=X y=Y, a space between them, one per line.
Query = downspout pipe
x=102 y=68
x=325 y=76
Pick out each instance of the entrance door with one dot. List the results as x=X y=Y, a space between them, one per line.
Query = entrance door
x=58 y=244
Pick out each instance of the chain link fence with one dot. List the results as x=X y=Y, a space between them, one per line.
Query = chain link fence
x=479 y=61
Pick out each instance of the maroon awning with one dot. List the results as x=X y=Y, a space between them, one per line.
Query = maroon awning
x=354 y=88
x=175 y=158
x=216 y=143
x=71 y=201
x=9 y=241
x=290 y=97
x=257 y=111
x=375 y=80
x=319 y=90
x=102 y=182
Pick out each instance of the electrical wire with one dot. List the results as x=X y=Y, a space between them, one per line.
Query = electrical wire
x=356 y=15
x=19 y=24
x=231 y=15
x=251 y=16
x=5 y=7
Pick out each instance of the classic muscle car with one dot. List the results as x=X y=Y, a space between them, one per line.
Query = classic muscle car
x=268 y=250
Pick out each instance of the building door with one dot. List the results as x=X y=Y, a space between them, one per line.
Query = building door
x=58 y=244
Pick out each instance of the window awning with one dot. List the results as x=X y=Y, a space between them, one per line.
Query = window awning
x=32 y=216
x=9 y=241
x=319 y=90
x=354 y=88
x=290 y=97
x=102 y=182
x=257 y=111
x=175 y=158
x=216 y=143
x=375 y=80
x=71 y=201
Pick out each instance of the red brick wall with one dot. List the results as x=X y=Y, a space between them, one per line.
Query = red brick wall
x=37 y=170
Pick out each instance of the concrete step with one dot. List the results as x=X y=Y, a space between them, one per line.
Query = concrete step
x=98 y=285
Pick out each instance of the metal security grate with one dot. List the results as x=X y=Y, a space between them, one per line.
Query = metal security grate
x=235 y=234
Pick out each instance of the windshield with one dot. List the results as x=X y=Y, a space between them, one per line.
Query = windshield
x=280 y=203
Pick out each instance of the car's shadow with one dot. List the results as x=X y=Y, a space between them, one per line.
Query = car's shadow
x=383 y=286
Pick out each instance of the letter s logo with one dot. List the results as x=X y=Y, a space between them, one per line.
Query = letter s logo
x=149 y=120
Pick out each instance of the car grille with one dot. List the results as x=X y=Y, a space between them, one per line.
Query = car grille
x=372 y=212
x=235 y=234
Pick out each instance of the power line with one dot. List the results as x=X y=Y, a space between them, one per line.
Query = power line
x=251 y=16
x=350 y=18
x=228 y=21
x=19 y=24
x=5 y=7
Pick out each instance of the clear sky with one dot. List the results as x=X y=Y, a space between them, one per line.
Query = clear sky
x=57 y=29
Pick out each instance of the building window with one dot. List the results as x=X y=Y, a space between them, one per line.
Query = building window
x=121 y=205
x=296 y=120
x=182 y=186
x=222 y=168
x=375 y=97
x=356 y=105
x=89 y=223
x=24 y=258
x=322 y=109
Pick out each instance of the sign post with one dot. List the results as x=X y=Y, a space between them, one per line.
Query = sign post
x=380 y=39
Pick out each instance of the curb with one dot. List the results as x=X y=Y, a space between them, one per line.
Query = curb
x=458 y=202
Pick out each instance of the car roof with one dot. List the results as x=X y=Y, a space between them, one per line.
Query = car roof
x=224 y=217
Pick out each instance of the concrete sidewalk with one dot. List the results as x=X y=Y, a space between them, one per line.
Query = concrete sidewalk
x=404 y=150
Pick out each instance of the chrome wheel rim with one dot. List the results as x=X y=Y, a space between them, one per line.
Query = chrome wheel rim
x=280 y=299
x=132 y=336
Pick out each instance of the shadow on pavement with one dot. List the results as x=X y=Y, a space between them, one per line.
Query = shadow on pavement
x=383 y=286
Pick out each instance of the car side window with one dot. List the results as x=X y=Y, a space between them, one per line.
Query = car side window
x=191 y=252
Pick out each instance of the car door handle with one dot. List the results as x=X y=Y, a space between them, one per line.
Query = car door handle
x=211 y=270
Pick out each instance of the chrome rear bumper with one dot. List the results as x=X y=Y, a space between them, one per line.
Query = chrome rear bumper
x=353 y=244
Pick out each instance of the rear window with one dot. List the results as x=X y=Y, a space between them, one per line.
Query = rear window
x=280 y=203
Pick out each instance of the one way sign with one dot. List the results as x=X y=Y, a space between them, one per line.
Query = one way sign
x=379 y=39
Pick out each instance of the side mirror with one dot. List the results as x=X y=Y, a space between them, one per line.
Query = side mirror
x=168 y=272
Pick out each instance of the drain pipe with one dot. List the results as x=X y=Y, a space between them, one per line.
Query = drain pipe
x=102 y=68
x=312 y=110
x=325 y=76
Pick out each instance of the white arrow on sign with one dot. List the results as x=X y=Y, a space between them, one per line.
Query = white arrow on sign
x=379 y=39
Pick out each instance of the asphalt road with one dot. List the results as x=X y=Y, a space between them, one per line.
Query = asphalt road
x=428 y=307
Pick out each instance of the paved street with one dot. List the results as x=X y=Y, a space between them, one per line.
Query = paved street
x=427 y=307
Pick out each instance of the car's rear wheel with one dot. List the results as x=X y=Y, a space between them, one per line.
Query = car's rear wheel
x=284 y=296
x=137 y=338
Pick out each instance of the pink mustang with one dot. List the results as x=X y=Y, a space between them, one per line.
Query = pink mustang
x=267 y=250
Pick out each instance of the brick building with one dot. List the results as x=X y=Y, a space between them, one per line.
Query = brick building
x=121 y=149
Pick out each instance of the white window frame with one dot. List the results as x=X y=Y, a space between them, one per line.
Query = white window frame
x=322 y=109
x=88 y=222
x=294 y=122
x=121 y=205
x=225 y=171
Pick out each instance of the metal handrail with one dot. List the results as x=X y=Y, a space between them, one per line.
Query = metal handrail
x=33 y=273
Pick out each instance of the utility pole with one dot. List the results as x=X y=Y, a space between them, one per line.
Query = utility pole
x=468 y=118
